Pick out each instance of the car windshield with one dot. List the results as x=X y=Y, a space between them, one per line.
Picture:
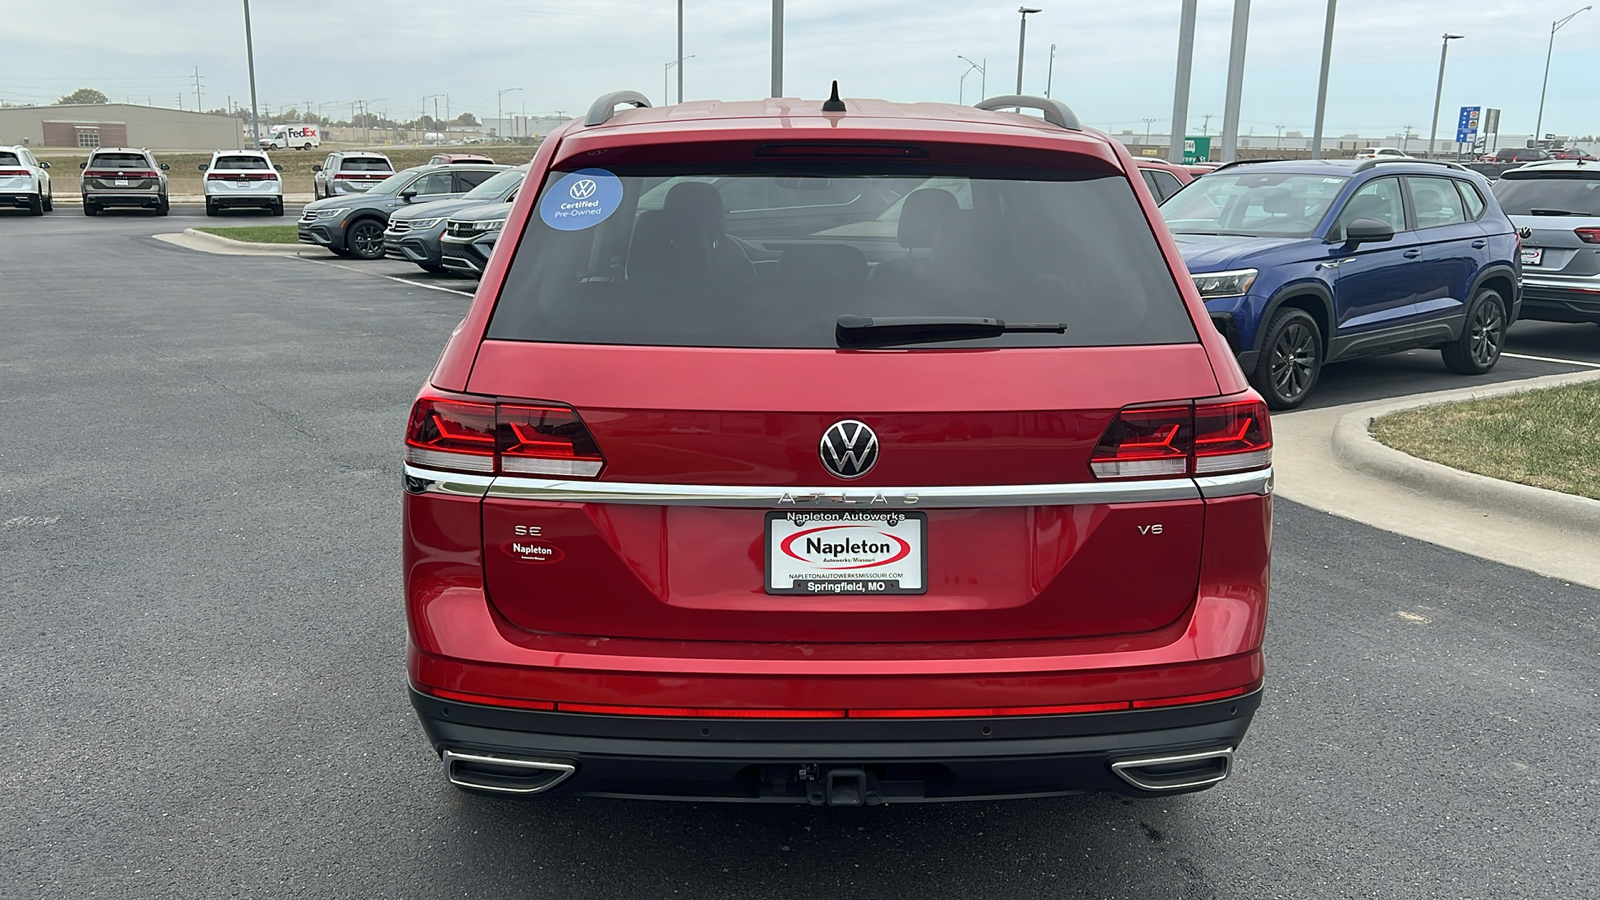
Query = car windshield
x=742 y=256
x=1252 y=204
x=241 y=162
x=395 y=182
x=119 y=161
x=364 y=164
x=1569 y=192
x=501 y=184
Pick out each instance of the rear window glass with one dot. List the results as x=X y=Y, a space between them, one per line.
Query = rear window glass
x=365 y=164
x=242 y=162
x=120 y=161
x=1550 y=193
x=9 y=159
x=773 y=256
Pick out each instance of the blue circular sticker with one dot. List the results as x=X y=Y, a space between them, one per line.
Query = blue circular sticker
x=581 y=200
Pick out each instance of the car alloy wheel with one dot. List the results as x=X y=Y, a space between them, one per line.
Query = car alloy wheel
x=1486 y=329
x=1294 y=360
x=365 y=239
x=1478 y=348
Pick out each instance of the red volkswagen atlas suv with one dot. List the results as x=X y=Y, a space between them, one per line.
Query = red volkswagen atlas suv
x=835 y=453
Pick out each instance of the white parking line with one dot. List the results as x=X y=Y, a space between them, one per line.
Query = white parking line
x=420 y=284
x=1551 y=359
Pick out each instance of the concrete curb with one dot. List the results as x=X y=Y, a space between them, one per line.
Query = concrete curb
x=193 y=239
x=1355 y=447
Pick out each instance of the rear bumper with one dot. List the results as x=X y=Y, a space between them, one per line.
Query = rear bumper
x=839 y=761
x=123 y=198
x=1550 y=300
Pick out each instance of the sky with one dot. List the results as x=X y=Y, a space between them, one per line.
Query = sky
x=1114 y=59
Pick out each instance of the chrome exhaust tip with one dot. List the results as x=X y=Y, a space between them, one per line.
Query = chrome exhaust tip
x=504 y=774
x=1175 y=772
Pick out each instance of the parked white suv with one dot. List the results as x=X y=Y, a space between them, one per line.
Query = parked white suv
x=237 y=178
x=349 y=172
x=24 y=181
x=1383 y=153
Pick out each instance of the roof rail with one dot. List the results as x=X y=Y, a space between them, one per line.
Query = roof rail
x=1055 y=112
x=1366 y=164
x=1246 y=162
x=601 y=110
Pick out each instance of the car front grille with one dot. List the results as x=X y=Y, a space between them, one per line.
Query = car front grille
x=398 y=227
x=469 y=228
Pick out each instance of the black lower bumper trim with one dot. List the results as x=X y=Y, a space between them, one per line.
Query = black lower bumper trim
x=790 y=761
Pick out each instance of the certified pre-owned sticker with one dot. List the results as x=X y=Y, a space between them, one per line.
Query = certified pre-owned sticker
x=581 y=200
x=851 y=552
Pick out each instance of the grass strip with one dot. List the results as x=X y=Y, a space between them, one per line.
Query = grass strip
x=258 y=234
x=1546 y=438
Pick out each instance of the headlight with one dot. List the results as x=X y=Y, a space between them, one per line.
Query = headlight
x=1225 y=284
x=492 y=225
x=425 y=223
x=332 y=213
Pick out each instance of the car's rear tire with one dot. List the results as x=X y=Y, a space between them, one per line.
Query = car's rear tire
x=1478 y=348
x=277 y=207
x=1291 y=359
x=364 y=238
x=211 y=208
x=89 y=209
x=162 y=206
x=36 y=205
x=305 y=146
x=50 y=202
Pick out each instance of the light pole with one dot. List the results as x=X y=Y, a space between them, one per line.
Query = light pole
x=435 y=99
x=1322 y=85
x=1438 y=92
x=666 y=98
x=1050 y=73
x=777 y=48
x=1180 y=88
x=680 y=57
x=1234 y=97
x=250 y=56
x=983 y=75
x=499 y=116
x=1022 y=40
x=1147 y=124
x=1280 y=136
x=1538 y=128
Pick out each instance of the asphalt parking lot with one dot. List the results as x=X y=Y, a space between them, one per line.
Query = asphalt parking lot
x=203 y=643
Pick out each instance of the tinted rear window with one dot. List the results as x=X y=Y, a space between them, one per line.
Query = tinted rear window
x=241 y=162
x=120 y=161
x=8 y=158
x=771 y=257
x=1570 y=192
x=365 y=164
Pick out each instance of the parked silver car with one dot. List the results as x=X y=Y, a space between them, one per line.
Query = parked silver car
x=1556 y=206
x=349 y=172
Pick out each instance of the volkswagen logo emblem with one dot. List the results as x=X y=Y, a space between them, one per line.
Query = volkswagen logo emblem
x=849 y=449
x=582 y=189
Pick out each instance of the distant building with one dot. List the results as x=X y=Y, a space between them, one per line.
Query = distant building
x=88 y=125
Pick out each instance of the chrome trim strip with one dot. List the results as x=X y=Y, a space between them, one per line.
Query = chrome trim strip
x=1238 y=484
x=428 y=481
x=560 y=771
x=1127 y=770
x=759 y=497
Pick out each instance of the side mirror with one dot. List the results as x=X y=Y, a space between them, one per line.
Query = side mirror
x=316 y=167
x=408 y=194
x=1367 y=231
x=278 y=167
x=83 y=165
x=202 y=167
x=43 y=164
x=165 y=167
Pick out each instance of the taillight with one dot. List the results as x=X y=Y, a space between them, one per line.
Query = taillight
x=107 y=174
x=1588 y=235
x=545 y=440
x=242 y=176
x=511 y=438
x=12 y=173
x=1204 y=438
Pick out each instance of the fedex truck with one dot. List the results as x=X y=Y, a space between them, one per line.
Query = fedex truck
x=282 y=137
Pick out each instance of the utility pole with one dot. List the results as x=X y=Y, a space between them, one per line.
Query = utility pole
x=1206 y=126
x=197 y=106
x=1022 y=41
x=680 y=51
x=250 y=56
x=1147 y=124
x=1280 y=136
x=1180 y=88
x=777 y=48
x=1230 y=109
x=1322 y=84
x=1050 y=73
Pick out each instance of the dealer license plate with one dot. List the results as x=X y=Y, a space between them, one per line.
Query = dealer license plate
x=241 y=184
x=847 y=553
x=1533 y=256
x=120 y=182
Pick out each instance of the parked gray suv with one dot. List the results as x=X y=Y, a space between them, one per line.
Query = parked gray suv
x=349 y=172
x=353 y=224
x=118 y=176
x=413 y=233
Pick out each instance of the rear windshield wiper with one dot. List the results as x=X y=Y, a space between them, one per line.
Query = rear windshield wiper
x=1556 y=212
x=923 y=329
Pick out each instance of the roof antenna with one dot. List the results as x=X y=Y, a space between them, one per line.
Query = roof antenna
x=833 y=103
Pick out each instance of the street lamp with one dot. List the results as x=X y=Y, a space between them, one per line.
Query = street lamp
x=250 y=57
x=666 y=97
x=1147 y=124
x=1050 y=73
x=499 y=115
x=1022 y=40
x=983 y=73
x=1538 y=128
x=1438 y=92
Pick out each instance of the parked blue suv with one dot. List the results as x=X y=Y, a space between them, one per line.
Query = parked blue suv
x=1303 y=263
